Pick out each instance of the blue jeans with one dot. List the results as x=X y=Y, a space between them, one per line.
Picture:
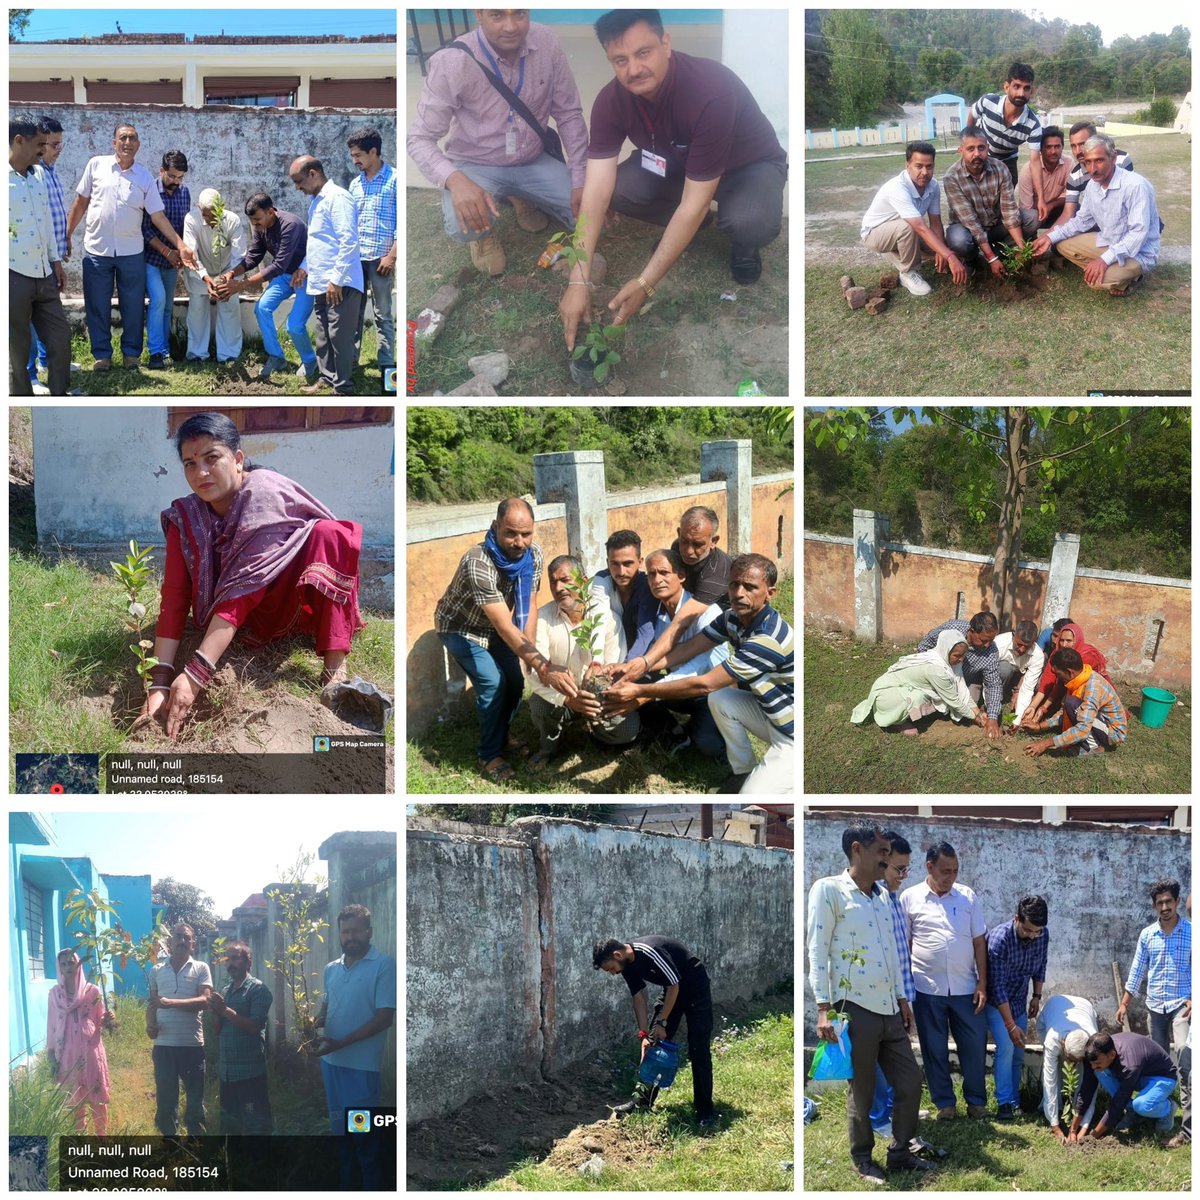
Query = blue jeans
x=936 y=1017
x=346 y=1088
x=881 y=1109
x=1153 y=1098
x=172 y=1063
x=496 y=674
x=545 y=183
x=160 y=287
x=277 y=291
x=1010 y=1061
x=128 y=271
x=37 y=355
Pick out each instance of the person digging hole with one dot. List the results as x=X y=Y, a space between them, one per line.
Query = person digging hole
x=681 y=975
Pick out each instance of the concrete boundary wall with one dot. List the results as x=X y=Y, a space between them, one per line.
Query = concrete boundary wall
x=501 y=925
x=1095 y=879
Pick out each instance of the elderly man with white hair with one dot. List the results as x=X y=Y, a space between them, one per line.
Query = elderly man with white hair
x=1120 y=209
x=218 y=239
x=1067 y=1023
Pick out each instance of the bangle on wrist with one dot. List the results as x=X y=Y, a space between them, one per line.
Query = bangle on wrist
x=645 y=287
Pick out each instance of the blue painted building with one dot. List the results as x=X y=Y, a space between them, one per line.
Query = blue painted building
x=40 y=878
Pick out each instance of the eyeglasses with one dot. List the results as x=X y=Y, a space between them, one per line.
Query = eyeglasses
x=901 y=871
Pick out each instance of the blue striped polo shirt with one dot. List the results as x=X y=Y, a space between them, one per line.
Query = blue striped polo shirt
x=762 y=662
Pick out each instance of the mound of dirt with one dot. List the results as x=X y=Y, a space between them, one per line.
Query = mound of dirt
x=978 y=749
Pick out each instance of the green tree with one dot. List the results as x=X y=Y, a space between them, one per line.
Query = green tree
x=185 y=903
x=859 y=65
x=1004 y=436
x=18 y=22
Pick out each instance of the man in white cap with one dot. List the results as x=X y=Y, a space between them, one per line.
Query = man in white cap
x=218 y=239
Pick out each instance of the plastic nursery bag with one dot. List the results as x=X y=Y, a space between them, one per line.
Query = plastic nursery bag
x=832 y=1059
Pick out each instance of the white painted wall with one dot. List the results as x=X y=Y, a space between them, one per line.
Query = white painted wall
x=104 y=474
x=755 y=48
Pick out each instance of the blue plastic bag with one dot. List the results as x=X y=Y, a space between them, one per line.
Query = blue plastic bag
x=832 y=1059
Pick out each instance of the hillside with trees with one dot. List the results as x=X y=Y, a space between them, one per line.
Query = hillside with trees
x=863 y=64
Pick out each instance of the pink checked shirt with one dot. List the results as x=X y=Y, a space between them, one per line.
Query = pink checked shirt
x=458 y=98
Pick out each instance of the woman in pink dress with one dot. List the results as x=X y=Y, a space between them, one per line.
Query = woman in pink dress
x=77 y=1055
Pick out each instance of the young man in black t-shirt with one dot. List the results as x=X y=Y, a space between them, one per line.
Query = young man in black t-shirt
x=668 y=963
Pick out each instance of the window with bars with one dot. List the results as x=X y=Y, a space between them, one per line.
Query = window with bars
x=270 y=419
x=35 y=926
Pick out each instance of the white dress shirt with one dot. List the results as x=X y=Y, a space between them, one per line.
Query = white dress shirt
x=842 y=917
x=198 y=234
x=1032 y=662
x=113 y=225
x=941 y=933
x=1059 y=1016
x=31 y=244
x=332 y=255
x=555 y=643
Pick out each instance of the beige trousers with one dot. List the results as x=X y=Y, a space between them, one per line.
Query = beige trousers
x=897 y=237
x=1082 y=249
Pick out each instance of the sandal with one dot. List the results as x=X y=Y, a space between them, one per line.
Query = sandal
x=501 y=772
x=519 y=750
x=537 y=762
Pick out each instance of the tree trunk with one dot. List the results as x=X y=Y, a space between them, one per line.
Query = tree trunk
x=1017 y=425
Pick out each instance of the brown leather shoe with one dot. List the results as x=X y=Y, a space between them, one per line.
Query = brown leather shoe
x=947 y=1114
x=488 y=255
x=977 y=1110
x=102 y=364
x=131 y=360
x=529 y=217
x=869 y=1171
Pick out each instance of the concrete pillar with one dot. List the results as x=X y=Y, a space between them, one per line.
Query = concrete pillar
x=303 y=91
x=1179 y=819
x=576 y=478
x=1061 y=583
x=730 y=461
x=1054 y=814
x=192 y=96
x=870 y=531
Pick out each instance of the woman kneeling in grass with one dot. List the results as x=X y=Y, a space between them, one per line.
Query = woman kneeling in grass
x=251 y=550
x=920 y=684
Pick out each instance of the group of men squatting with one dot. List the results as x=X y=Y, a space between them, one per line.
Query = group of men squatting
x=693 y=654
x=1097 y=212
x=927 y=957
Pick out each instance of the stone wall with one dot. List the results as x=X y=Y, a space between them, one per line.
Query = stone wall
x=1094 y=877
x=501 y=925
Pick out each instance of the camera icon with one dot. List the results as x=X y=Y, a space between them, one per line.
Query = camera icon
x=320 y=745
x=388 y=381
x=358 y=1120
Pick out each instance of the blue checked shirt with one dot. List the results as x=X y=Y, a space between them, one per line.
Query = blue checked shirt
x=900 y=926
x=176 y=205
x=1012 y=963
x=1163 y=962
x=976 y=663
x=375 y=200
x=58 y=208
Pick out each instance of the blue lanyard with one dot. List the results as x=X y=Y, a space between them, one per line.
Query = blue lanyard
x=496 y=67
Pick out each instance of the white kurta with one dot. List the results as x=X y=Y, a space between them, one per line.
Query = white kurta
x=202 y=312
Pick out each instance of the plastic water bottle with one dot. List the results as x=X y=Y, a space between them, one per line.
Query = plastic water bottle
x=660 y=1065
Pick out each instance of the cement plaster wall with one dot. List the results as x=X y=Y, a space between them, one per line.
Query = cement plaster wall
x=501 y=933
x=1095 y=880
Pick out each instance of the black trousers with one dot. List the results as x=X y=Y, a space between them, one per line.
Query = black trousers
x=245 y=1106
x=749 y=200
x=696 y=1005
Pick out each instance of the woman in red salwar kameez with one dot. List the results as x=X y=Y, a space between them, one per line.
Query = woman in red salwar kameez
x=251 y=550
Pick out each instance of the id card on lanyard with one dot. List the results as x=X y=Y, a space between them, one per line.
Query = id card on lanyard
x=510 y=133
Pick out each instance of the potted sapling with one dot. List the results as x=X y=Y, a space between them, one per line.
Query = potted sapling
x=595 y=356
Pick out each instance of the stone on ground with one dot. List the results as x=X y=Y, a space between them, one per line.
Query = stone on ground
x=876 y=306
x=889 y=279
x=846 y=282
x=493 y=366
x=477 y=385
x=856 y=297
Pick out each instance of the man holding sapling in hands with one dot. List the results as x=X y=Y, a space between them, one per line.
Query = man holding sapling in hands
x=576 y=628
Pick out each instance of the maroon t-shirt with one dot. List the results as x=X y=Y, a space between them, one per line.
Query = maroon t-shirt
x=705 y=123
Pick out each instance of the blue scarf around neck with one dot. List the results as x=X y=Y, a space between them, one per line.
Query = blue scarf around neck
x=521 y=572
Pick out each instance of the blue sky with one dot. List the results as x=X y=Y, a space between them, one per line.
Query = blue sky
x=228 y=854
x=47 y=23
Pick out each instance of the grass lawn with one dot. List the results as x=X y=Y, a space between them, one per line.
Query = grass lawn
x=689 y=343
x=239 y=378
x=930 y=346
x=988 y=1156
x=840 y=757
x=534 y=1137
x=442 y=761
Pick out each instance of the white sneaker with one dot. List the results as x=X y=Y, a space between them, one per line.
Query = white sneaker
x=914 y=283
x=40 y=389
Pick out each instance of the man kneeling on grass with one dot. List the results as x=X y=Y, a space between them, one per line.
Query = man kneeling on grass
x=558 y=625
x=1120 y=208
x=761 y=669
x=1093 y=718
x=895 y=223
x=1136 y=1072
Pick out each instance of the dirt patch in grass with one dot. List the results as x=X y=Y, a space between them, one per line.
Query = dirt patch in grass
x=979 y=749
